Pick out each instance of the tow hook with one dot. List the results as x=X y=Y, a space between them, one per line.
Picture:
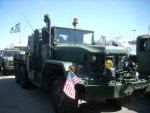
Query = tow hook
x=127 y=86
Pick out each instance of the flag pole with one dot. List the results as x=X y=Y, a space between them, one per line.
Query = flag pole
x=20 y=39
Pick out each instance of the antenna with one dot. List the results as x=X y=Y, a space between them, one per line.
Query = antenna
x=28 y=21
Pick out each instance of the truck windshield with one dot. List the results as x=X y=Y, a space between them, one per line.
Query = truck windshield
x=10 y=53
x=74 y=36
x=129 y=49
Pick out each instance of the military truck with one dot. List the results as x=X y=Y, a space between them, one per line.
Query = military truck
x=8 y=62
x=143 y=58
x=103 y=72
x=1 y=60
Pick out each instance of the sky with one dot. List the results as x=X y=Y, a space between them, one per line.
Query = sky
x=109 y=18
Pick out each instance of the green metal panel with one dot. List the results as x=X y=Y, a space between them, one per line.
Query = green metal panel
x=65 y=65
x=116 y=90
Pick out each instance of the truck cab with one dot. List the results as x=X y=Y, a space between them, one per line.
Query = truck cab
x=143 y=54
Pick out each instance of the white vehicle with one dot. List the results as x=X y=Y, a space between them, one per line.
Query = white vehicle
x=120 y=43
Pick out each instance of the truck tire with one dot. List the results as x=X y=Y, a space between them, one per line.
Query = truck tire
x=17 y=73
x=118 y=103
x=4 y=71
x=115 y=103
x=62 y=103
x=24 y=81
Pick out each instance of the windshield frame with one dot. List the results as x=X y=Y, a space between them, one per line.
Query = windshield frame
x=10 y=53
x=75 y=32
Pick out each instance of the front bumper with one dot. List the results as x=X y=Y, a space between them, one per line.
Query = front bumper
x=113 y=90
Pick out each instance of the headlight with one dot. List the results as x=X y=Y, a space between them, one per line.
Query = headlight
x=77 y=69
x=81 y=68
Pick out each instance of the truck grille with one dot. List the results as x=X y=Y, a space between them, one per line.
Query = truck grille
x=11 y=63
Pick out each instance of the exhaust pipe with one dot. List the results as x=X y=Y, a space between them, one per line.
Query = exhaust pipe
x=48 y=25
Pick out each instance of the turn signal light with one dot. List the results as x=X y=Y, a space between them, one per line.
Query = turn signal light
x=72 y=68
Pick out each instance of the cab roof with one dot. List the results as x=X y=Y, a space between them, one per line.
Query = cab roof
x=72 y=28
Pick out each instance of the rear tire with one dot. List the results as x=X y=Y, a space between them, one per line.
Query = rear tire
x=4 y=71
x=17 y=73
x=62 y=103
x=24 y=81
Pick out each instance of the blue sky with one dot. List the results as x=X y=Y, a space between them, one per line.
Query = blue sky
x=111 y=18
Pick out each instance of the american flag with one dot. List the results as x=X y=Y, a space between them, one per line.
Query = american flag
x=71 y=81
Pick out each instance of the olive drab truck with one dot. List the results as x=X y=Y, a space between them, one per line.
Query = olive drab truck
x=143 y=55
x=103 y=72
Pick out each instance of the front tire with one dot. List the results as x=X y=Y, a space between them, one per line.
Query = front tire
x=114 y=102
x=4 y=71
x=119 y=102
x=62 y=103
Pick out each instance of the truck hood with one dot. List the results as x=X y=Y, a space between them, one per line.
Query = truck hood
x=91 y=49
x=114 y=49
x=81 y=48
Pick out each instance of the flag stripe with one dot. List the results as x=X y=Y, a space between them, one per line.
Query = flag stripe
x=69 y=89
x=75 y=80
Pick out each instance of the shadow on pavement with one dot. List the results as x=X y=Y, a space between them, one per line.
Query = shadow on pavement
x=140 y=105
x=14 y=99
x=96 y=107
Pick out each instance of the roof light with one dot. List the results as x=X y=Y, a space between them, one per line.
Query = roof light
x=75 y=22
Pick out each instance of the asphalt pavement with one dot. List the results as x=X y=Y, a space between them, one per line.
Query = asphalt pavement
x=14 y=99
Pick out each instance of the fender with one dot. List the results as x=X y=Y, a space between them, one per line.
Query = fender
x=52 y=70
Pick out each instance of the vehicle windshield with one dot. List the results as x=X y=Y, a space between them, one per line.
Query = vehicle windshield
x=10 y=53
x=117 y=60
x=129 y=49
x=74 y=36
